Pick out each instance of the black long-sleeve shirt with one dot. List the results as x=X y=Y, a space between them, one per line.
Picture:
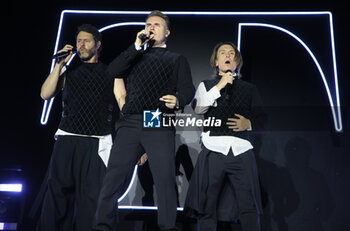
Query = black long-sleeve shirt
x=151 y=74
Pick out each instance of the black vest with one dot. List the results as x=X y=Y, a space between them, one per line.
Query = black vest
x=237 y=101
x=88 y=100
x=150 y=78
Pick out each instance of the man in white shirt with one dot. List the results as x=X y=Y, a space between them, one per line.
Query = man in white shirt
x=227 y=158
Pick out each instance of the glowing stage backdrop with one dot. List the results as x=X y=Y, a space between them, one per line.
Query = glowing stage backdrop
x=289 y=56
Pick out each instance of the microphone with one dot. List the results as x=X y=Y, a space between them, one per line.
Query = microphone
x=144 y=37
x=61 y=55
x=228 y=87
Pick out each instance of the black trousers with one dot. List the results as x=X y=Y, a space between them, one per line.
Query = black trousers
x=130 y=143
x=75 y=177
x=234 y=169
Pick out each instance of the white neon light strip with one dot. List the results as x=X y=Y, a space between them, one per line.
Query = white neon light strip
x=8 y=226
x=144 y=207
x=339 y=126
x=132 y=206
x=130 y=185
x=122 y=24
x=10 y=187
x=336 y=116
x=199 y=12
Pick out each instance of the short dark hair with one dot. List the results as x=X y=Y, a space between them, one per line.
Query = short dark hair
x=91 y=30
x=161 y=15
x=238 y=57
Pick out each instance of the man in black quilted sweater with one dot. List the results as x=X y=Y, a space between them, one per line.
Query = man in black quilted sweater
x=156 y=79
x=83 y=139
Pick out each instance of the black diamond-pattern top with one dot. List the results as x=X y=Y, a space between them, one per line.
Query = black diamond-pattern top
x=155 y=73
x=243 y=98
x=88 y=100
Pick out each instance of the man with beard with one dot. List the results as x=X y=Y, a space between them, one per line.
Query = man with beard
x=83 y=138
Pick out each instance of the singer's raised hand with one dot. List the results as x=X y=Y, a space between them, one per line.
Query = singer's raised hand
x=66 y=48
x=53 y=82
x=148 y=34
x=227 y=78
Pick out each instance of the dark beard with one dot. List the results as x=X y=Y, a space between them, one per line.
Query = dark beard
x=87 y=58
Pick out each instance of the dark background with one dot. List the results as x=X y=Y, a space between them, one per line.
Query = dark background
x=302 y=161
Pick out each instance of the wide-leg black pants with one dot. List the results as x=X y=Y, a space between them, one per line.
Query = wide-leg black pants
x=239 y=172
x=131 y=142
x=75 y=177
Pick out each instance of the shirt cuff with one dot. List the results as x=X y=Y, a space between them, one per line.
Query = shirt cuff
x=137 y=47
x=214 y=92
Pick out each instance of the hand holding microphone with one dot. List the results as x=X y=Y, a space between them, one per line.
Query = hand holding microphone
x=143 y=37
x=226 y=78
x=226 y=82
x=64 y=54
